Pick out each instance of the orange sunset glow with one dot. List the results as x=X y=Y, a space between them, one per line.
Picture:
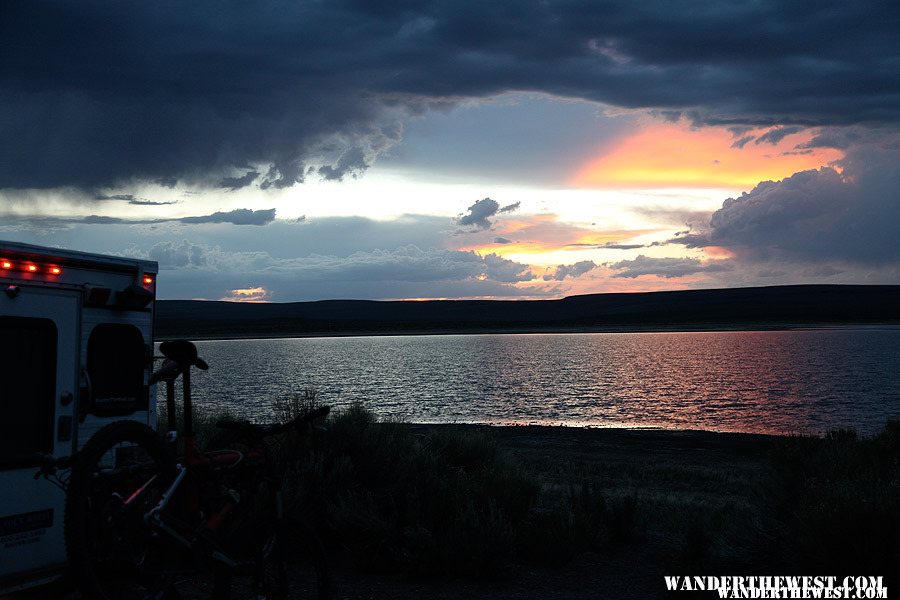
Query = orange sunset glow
x=544 y=233
x=255 y=294
x=674 y=155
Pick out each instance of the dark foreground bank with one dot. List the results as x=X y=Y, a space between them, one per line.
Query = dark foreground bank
x=611 y=511
x=466 y=511
x=463 y=511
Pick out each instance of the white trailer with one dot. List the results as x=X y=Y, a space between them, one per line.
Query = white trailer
x=76 y=351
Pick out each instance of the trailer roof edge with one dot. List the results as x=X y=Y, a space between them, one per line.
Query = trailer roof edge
x=86 y=258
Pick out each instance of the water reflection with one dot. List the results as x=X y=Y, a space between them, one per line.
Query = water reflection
x=773 y=382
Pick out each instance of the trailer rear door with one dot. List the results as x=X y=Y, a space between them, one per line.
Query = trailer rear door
x=39 y=362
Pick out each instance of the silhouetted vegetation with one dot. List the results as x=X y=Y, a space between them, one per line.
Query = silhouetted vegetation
x=837 y=502
x=453 y=501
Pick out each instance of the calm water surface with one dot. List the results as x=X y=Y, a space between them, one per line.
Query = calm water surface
x=772 y=382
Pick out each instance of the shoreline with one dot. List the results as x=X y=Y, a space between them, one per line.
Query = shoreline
x=625 y=442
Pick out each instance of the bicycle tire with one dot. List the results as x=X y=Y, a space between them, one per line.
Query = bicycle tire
x=291 y=562
x=117 y=476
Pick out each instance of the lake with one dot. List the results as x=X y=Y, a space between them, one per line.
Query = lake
x=800 y=381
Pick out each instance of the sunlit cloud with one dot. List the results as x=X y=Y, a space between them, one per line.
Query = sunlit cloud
x=254 y=294
x=676 y=155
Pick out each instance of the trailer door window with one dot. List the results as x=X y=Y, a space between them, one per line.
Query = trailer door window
x=115 y=365
x=28 y=387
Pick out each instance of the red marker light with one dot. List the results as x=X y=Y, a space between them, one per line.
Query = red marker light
x=31 y=268
x=7 y=264
x=148 y=280
x=55 y=270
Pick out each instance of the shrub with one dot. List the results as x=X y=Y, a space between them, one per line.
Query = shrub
x=837 y=501
x=447 y=502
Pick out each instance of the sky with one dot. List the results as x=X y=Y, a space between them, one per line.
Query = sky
x=309 y=150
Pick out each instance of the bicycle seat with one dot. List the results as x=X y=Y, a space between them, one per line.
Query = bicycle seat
x=184 y=353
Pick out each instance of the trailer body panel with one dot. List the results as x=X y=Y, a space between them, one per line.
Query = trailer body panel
x=76 y=349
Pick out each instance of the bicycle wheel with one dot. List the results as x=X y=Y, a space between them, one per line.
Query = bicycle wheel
x=119 y=475
x=290 y=563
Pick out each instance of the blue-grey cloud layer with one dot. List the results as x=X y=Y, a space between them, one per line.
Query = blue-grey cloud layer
x=315 y=259
x=96 y=92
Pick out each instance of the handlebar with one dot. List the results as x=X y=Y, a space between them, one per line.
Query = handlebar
x=180 y=355
x=169 y=370
x=49 y=464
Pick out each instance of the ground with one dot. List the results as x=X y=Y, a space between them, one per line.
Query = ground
x=676 y=479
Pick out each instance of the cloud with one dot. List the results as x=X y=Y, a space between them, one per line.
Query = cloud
x=479 y=214
x=132 y=199
x=505 y=270
x=822 y=271
x=614 y=246
x=766 y=273
x=407 y=271
x=236 y=183
x=674 y=216
x=177 y=254
x=742 y=141
x=256 y=294
x=502 y=240
x=406 y=263
x=143 y=202
x=574 y=270
x=95 y=220
x=668 y=268
x=238 y=216
x=140 y=91
x=352 y=162
x=774 y=136
x=817 y=215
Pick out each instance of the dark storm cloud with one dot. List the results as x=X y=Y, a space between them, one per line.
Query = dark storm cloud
x=817 y=215
x=96 y=93
x=236 y=183
x=352 y=162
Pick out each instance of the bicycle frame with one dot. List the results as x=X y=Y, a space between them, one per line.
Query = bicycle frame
x=190 y=474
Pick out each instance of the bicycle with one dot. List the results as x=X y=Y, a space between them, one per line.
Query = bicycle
x=139 y=523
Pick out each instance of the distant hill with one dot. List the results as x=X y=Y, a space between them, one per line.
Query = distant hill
x=756 y=307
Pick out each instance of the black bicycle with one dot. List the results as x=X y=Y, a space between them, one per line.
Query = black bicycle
x=141 y=524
